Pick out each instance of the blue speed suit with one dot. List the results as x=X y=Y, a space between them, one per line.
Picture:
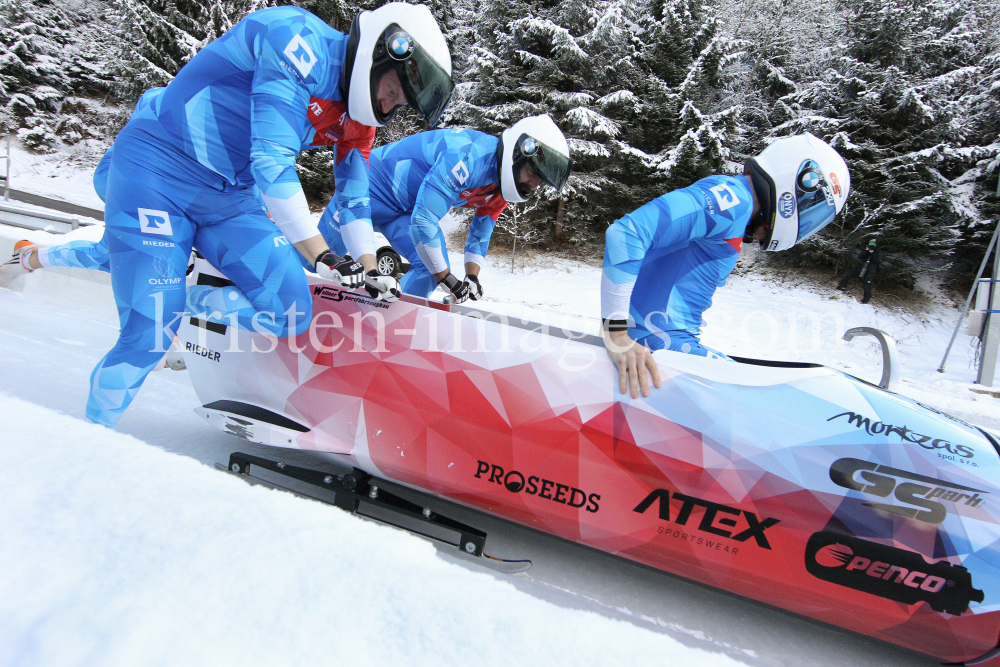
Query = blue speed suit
x=664 y=261
x=414 y=182
x=86 y=254
x=91 y=254
x=83 y=254
x=183 y=172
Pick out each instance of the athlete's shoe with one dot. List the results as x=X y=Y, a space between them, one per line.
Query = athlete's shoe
x=174 y=359
x=17 y=265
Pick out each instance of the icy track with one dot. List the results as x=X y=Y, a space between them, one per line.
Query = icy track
x=129 y=548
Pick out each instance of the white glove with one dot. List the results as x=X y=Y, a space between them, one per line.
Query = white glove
x=383 y=288
x=475 y=289
x=459 y=289
x=347 y=272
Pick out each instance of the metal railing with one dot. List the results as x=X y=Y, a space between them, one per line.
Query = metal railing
x=27 y=218
x=6 y=177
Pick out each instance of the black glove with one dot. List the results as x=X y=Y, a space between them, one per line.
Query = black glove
x=346 y=271
x=383 y=288
x=459 y=289
x=475 y=289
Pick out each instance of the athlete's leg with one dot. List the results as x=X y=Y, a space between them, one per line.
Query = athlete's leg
x=417 y=281
x=148 y=239
x=852 y=273
x=76 y=254
x=271 y=292
x=83 y=254
x=329 y=228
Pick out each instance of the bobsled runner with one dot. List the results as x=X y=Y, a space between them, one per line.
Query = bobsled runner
x=789 y=483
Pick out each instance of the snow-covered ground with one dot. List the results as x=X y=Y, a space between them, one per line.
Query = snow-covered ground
x=117 y=553
x=129 y=548
x=66 y=176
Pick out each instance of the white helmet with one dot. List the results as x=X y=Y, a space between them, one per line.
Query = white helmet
x=405 y=38
x=536 y=141
x=801 y=184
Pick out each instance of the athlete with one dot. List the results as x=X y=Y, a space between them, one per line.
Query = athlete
x=415 y=181
x=183 y=172
x=663 y=262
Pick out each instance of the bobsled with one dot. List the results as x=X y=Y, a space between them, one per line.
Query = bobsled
x=793 y=484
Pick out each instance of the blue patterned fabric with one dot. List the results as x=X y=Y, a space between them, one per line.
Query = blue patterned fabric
x=185 y=171
x=83 y=254
x=664 y=261
x=90 y=254
x=156 y=211
x=414 y=182
x=247 y=103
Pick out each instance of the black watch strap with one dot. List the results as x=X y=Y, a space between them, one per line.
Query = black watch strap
x=612 y=326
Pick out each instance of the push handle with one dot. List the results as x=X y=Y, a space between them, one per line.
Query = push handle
x=890 y=361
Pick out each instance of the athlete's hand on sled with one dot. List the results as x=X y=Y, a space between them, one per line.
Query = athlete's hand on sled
x=347 y=272
x=473 y=287
x=459 y=288
x=383 y=288
x=634 y=361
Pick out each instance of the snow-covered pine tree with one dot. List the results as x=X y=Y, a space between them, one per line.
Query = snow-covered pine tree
x=641 y=116
x=889 y=96
x=50 y=55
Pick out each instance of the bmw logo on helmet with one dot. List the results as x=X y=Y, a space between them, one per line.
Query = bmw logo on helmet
x=810 y=180
x=400 y=45
x=786 y=204
x=529 y=146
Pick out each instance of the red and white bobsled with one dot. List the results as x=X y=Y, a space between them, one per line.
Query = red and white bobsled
x=793 y=484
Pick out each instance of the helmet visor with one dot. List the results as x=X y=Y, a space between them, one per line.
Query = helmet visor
x=551 y=166
x=813 y=199
x=426 y=84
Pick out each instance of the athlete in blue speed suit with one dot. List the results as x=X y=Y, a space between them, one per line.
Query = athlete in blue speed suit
x=183 y=172
x=90 y=254
x=413 y=184
x=664 y=261
x=82 y=254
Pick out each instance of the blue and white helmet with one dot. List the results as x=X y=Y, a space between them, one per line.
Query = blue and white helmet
x=801 y=184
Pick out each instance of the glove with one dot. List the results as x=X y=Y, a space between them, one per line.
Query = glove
x=383 y=288
x=346 y=271
x=475 y=289
x=459 y=289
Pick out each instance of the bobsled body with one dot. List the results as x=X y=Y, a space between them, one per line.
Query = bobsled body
x=795 y=485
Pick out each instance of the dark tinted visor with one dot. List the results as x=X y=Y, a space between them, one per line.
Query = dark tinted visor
x=426 y=84
x=551 y=165
x=813 y=199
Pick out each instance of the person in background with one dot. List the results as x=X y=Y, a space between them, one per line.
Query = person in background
x=869 y=260
x=415 y=182
x=664 y=261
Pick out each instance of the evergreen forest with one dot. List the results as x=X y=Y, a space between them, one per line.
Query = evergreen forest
x=653 y=95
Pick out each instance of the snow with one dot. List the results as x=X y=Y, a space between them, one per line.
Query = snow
x=129 y=544
x=67 y=176
x=594 y=124
x=116 y=552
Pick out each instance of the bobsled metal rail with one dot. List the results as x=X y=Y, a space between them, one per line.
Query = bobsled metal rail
x=890 y=362
x=359 y=493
